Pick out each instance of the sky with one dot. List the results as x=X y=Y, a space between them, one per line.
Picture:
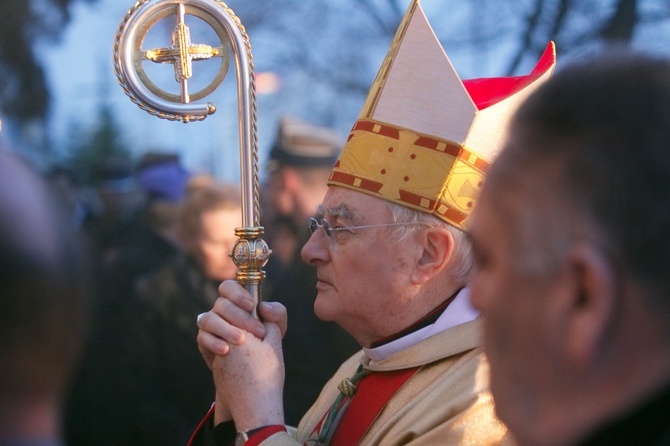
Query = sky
x=81 y=76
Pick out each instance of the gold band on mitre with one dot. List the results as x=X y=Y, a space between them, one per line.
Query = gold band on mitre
x=405 y=167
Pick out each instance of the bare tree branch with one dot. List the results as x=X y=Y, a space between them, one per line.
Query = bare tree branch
x=23 y=91
x=527 y=39
x=621 y=25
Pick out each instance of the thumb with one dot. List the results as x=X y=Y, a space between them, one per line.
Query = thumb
x=274 y=312
x=273 y=334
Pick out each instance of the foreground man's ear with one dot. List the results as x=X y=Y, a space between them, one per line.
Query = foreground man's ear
x=593 y=302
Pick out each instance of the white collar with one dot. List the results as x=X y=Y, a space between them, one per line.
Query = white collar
x=459 y=311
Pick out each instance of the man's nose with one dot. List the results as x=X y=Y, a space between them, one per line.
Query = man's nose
x=316 y=248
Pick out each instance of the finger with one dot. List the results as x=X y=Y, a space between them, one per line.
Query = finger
x=237 y=319
x=274 y=312
x=198 y=320
x=214 y=323
x=210 y=346
x=232 y=290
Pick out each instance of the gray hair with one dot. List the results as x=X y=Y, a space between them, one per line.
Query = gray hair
x=595 y=139
x=462 y=257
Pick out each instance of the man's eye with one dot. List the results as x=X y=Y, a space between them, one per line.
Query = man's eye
x=341 y=229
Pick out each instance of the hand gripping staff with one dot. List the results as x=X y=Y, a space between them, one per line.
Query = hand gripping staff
x=250 y=252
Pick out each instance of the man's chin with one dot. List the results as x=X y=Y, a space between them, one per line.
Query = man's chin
x=321 y=308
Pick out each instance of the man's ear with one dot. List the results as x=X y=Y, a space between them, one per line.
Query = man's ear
x=591 y=308
x=437 y=245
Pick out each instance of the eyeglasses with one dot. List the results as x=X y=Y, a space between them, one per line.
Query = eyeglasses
x=330 y=231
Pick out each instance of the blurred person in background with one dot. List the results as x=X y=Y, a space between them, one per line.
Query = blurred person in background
x=299 y=165
x=153 y=238
x=97 y=408
x=80 y=201
x=44 y=304
x=120 y=204
x=169 y=384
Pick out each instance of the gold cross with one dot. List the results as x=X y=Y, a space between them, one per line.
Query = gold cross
x=182 y=53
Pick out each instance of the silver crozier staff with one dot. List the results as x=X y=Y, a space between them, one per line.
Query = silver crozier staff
x=250 y=252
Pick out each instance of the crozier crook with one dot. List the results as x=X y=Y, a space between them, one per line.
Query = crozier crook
x=250 y=252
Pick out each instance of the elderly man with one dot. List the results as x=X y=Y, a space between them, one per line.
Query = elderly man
x=392 y=262
x=572 y=239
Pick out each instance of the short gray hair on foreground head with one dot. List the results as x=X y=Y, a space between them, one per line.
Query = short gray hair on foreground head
x=603 y=127
x=463 y=260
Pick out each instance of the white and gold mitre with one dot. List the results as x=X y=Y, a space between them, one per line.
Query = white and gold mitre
x=424 y=138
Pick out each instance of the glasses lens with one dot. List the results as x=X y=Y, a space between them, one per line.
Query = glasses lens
x=313 y=225
x=327 y=228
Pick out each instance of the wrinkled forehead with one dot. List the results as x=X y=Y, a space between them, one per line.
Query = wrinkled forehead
x=352 y=206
